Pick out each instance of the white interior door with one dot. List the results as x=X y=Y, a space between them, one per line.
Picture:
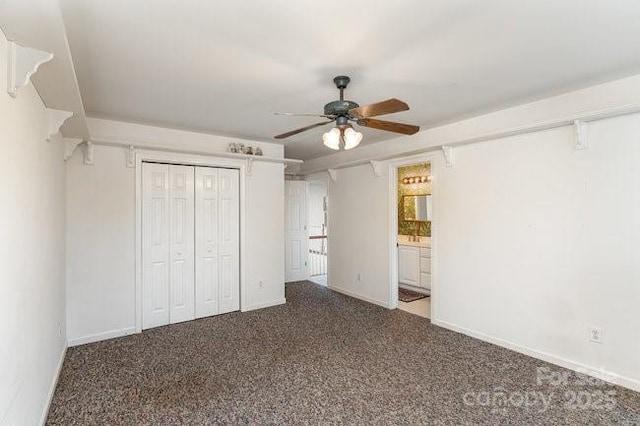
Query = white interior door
x=217 y=241
x=190 y=243
x=296 y=231
x=155 y=238
x=206 y=242
x=229 y=242
x=181 y=227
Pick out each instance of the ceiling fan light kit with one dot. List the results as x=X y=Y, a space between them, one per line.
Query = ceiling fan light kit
x=331 y=139
x=342 y=112
x=351 y=138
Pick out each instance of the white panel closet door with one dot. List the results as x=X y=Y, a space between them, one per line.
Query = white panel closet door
x=191 y=243
x=155 y=238
x=206 y=242
x=296 y=250
x=182 y=228
x=229 y=240
x=217 y=241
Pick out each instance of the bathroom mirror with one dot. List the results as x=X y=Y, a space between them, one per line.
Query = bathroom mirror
x=416 y=208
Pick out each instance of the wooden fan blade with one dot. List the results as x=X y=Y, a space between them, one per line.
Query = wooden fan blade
x=304 y=129
x=385 y=107
x=389 y=126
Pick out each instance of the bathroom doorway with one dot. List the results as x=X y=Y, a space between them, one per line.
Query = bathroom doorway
x=411 y=246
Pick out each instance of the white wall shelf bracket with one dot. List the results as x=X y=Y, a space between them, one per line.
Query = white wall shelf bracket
x=88 y=154
x=22 y=63
x=447 y=151
x=131 y=156
x=56 y=118
x=249 y=164
x=70 y=144
x=377 y=167
x=580 y=129
x=333 y=174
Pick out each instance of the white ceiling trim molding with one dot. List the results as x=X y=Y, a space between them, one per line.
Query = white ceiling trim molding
x=56 y=118
x=134 y=136
x=22 y=63
x=333 y=174
x=620 y=97
x=249 y=159
x=152 y=137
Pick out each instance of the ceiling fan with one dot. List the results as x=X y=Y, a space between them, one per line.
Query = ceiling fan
x=343 y=112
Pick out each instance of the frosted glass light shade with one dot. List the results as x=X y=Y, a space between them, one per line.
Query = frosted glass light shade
x=351 y=138
x=331 y=139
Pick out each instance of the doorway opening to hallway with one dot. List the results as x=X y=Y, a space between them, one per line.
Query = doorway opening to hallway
x=306 y=221
x=317 y=209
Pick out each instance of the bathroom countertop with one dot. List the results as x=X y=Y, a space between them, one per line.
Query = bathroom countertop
x=404 y=240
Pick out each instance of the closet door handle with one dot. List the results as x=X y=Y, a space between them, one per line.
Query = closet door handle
x=179 y=253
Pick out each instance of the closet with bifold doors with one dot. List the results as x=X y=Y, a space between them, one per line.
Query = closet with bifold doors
x=190 y=242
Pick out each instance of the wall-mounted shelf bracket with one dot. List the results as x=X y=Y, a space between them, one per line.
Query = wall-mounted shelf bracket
x=131 y=156
x=333 y=174
x=580 y=129
x=377 y=167
x=56 y=118
x=447 y=151
x=22 y=63
x=249 y=165
x=88 y=153
x=70 y=145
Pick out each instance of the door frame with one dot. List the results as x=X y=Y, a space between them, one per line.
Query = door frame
x=430 y=158
x=187 y=160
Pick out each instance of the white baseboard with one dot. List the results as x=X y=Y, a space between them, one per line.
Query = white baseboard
x=579 y=367
x=359 y=296
x=102 y=336
x=265 y=304
x=52 y=388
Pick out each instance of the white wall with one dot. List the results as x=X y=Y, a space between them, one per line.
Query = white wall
x=32 y=255
x=101 y=245
x=265 y=235
x=101 y=232
x=537 y=241
x=359 y=234
x=533 y=242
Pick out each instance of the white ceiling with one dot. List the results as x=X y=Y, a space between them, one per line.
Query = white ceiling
x=226 y=67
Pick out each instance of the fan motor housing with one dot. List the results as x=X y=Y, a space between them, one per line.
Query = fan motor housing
x=339 y=107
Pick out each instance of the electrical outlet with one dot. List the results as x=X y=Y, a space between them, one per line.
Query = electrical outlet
x=260 y=284
x=358 y=277
x=595 y=334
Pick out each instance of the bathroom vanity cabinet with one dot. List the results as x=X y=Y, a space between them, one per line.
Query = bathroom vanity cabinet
x=414 y=264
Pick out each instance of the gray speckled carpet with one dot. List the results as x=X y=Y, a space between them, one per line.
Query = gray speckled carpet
x=323 y=358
